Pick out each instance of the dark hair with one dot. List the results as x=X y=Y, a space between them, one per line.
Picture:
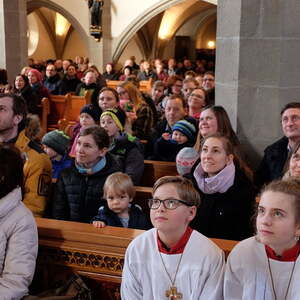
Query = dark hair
x=25 y=78
x=209 y=73
x=174 y=97
x=19 y=106
x=110 y=90
x=71 y=65
x=99 y=135
x=290 y=105
x=229 y=149
x=3 y=76
x=11 y=169
x=184 y=188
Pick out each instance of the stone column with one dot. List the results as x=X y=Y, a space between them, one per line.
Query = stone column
x=13 y=36
x=257 y=67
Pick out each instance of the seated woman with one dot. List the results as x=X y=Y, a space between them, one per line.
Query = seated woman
x=196 y=102
x=80 y=187
x=126 y=148
x=227 y=195
x=110 y=73
x=108 y=98
x=266 y=266
x=293 y=164
x=128 y=71
x=23 y=88
x=139 y=112
x=18 y=232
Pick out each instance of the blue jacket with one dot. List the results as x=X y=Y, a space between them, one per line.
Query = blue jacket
x=59 y=165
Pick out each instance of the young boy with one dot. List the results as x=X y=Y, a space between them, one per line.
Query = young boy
x=172 y=261
x=167 y=146
x=118 y=211
x=55 y=144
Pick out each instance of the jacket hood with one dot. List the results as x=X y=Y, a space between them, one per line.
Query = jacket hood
x=10 y=201
x=32 y=126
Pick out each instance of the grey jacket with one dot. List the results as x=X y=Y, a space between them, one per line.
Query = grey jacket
x=18 y=246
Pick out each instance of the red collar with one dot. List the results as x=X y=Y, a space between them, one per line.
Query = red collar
x=180 y=245
x=288 y=255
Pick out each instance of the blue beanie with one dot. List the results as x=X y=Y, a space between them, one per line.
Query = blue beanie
x=186 y=128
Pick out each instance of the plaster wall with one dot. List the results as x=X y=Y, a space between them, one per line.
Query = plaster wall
x=75 y=46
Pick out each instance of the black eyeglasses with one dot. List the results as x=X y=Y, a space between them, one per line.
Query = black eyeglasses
x=168 y=203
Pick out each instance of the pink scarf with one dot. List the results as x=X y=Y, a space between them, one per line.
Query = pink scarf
x=219 y=183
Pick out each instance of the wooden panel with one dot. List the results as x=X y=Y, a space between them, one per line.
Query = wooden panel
x=153 y=170
x=113 y=83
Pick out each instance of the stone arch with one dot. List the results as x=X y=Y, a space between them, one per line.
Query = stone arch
x=35 y=4
x=132 y=28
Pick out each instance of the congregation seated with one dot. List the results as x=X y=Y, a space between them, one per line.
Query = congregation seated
x=23 y=134
x=52 y=80
x=146 y=73
x=69 y=81
x=18 y=233
x=188 y=85
x=196 y=102
x=79 y=188
x=110 y=73
x=126 y=148
x=276 y=154
x=118 y=209
x=227 y=195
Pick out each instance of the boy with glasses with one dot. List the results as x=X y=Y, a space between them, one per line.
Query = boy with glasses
x=172 y=261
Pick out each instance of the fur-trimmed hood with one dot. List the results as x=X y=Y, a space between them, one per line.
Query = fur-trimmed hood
x=32 y=126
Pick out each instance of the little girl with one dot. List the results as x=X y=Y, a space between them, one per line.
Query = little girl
x=118 y=210
x=266 y=267
x=89 y=115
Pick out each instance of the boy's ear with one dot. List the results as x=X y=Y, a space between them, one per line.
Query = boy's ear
x=192 y=211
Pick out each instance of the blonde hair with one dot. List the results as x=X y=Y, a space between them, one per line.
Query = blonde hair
x=121 y=183
x=184 y=188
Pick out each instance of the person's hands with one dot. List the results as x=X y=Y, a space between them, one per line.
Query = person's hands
x=99 y=224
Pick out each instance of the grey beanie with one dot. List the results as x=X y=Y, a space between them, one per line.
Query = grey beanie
x=185 y=160
x=57 y=140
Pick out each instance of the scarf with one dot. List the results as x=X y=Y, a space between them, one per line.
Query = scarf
x=96 y=168
x=219 y=183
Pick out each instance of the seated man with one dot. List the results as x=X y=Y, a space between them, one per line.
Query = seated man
x=37 y=168
x=173 y=261
x=275 y=156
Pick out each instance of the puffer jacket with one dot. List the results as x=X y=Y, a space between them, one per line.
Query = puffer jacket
x=37 y=169
x=78 y=196
x=128 y=152
x=18 y=246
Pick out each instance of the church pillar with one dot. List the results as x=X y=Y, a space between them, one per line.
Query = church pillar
x=13 y=36
x=257 y=67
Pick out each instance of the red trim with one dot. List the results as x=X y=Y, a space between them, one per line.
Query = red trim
x=180 y=245
x=288 y=255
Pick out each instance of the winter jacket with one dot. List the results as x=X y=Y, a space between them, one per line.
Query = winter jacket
x=59 y=165
x=68 y=85
x=93 y=88
x=37 y=170
x=30 y=98
x=78 y=196
x=18 y=246
x=271 y=166
x=53 y=84
x=226 y=215
x=137 y=219
x=129 y=154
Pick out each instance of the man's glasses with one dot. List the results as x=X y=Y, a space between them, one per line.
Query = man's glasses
x=168 y=203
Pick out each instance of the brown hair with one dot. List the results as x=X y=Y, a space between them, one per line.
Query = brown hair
x=120 y=183
x=184 y=188
x=110 y=90
x=225 y=142
x=134 y=94
x=290 y=105
x=99 y=135
x=11 y=169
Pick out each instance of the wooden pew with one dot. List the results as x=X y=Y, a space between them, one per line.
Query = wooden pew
x=53 y=112
x=145 y=85
x=113 y=83
x=97 y=254
x=153 y=170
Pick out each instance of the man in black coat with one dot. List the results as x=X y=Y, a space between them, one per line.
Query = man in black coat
x=275 y=155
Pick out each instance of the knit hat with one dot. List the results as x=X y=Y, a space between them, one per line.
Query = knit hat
x=57 y=140
x=118 y=115
x=92 y=110
x=37 y=74
x=185 y=160
x=186 y=128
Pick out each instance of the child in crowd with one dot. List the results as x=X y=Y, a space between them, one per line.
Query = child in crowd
x=185 y=160
x=89 y=115
x=125 y=148
x=172 y=261
x=167 y=146
x=266 y=266
x=56 y=144
x=118 y=210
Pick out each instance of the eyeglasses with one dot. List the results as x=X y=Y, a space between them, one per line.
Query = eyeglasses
x=168 y=203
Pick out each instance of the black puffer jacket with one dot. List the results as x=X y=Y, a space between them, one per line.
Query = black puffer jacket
x=137 y=219
x=226 y=215
x=78 y=196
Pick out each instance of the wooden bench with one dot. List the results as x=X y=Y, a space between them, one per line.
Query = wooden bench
x=113 y=83
x=145 y=85
x=53 y=112
x=97 y=254
x=153 y=170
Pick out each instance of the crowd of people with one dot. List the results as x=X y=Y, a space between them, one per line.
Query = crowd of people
x=91 y=172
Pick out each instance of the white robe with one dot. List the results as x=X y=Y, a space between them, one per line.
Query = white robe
x=247 y=275
x=200 y=274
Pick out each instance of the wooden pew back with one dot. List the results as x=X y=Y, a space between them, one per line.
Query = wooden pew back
x=153 y=170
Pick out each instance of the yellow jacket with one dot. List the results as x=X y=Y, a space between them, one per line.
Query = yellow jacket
x=37 y=174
